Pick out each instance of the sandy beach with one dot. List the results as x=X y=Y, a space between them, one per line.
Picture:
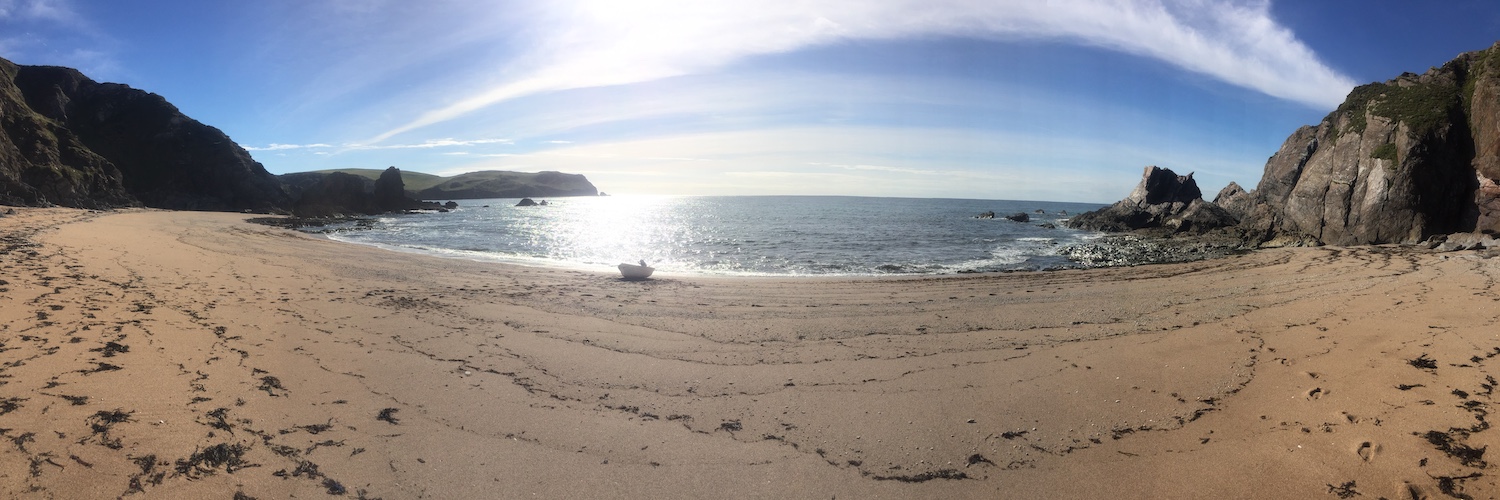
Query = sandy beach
x=195 y=355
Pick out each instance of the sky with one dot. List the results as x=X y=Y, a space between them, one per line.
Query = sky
x=1062 y=100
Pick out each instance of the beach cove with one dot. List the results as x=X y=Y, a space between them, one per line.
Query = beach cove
x=191 y=355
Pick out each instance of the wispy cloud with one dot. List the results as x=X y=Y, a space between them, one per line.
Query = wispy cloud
x=429 y=144
x=591 y=43
x=283 y=147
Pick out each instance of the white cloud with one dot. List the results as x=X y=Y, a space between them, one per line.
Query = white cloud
x=591 y=43
x=429 y=144
x=283 y=147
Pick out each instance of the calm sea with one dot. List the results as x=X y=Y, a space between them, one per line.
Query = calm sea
x=742 y=235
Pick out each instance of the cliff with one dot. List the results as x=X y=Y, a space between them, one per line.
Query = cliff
x=1397 y=162
x=72 y=141
x=43 y=162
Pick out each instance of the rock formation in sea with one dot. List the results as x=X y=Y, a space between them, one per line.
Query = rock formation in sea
x=1163 y=201
x=1399 y=161
x=68 y=140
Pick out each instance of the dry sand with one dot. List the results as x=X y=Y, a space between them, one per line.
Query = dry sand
x=194 y=355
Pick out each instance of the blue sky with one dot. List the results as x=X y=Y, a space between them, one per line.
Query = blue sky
x=1063 y=100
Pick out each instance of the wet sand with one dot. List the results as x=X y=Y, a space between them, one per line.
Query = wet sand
x=194 y=355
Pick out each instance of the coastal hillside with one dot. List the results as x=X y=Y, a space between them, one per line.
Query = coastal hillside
x=1399 y=161
x=472 y=185
x=68 y=140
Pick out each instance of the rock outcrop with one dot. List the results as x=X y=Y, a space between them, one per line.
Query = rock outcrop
x=1163 y=201
x=42 y=162
x=1399 y=161
x=72 y=141
x=338 y=194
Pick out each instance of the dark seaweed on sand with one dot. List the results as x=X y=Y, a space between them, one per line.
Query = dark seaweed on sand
x=270 y=385
x=206 y=461
x=334 y=488
x=1424 y=362
x=8 y=405
x=1345 y=490
x=389 y=415
x=103 y=420
x=1465 y=454
x=110 y=349
x=926 y=476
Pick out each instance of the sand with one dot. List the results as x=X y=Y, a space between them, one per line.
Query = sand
x=195 y=355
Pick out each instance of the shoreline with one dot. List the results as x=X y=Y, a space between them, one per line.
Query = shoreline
x=1101 y=250
x=244 y=358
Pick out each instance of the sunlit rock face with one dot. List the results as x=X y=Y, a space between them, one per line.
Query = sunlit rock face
x=1398 y=162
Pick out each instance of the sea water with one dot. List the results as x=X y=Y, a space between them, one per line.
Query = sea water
x=742 y=235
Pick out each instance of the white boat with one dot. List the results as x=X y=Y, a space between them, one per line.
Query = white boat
x=634 y=272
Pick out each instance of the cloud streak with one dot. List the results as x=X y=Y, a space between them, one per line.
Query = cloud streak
x=592 y=43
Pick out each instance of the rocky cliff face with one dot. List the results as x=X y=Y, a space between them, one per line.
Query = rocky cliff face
x=72 y=141
x=1398 y=162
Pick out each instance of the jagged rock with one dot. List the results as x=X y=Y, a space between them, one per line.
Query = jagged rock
x=986 y=215
x=526 y=202
x=1163 y=200
x=1019 y=217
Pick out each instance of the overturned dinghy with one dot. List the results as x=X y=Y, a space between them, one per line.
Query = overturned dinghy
x=636 y=272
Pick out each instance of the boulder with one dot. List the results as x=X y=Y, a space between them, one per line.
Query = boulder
x=450 y=205
x=1019 y=217
x=526 y=202
x=986 y=215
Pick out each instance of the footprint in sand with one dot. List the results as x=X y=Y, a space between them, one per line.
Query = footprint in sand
x=1316 y=392
x=1367 y=451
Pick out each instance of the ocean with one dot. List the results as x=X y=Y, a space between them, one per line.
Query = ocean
x=741 y=235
